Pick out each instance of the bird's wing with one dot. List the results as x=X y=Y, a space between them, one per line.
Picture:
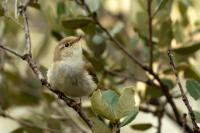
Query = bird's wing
x=90 y=69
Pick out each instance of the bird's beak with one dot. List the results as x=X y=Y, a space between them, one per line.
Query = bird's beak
x=77 y=39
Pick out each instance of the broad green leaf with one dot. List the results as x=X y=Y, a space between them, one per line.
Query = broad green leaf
x=56 y=34
x=93 y=4
x=60 y=8
x=99 y=126
x=153 y=91
x=112 y=106
x=134 y=41
x=74 y=23
x=139 y=17
x=178 y=31
x=110 y=97
x=97 y=39
x=191 y=72
x=142 y=126
x=18 y=130
x=34 y=4
x=117 y=28
x=126 y=103
x=86 y=24
x=161 y=5
x=89 y=28
x=130 y=117
x=183 y=7
x=164 y=34
x=193 y=87
x=168 y=83
x=197 y=116
x=1 y=11
x=195 y=46
x=100 y=106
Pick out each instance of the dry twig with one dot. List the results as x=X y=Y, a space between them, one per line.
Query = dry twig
x=184 y=97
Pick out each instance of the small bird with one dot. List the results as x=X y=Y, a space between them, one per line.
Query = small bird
x=69 y=72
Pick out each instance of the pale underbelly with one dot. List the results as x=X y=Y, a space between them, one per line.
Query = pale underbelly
x=72 y=83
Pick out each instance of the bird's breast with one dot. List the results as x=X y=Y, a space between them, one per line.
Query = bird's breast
x=71 y=79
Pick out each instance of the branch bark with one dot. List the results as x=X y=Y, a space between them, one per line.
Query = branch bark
x=184 y=97
x=150 y=43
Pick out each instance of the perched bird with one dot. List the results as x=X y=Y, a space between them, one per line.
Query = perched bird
x=69 y=72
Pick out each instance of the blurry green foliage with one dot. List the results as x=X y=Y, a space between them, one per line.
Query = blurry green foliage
x=51 y=21
x=142 y=126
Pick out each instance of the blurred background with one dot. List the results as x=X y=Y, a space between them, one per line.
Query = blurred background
x=176 y=24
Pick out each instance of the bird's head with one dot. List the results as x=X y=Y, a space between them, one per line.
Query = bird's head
x=68 y=47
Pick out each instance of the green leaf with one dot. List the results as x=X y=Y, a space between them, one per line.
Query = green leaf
x=93 y=4
x=134 y=41
x=89 y=28
x=112 y=106
x=139 y=16
x=60 y=8
x=153 y=91
x=1 y=11
x=126 y=103
x=99 y=126
x=117 y=28
x=130 y=117
x=142 y=126
x=168 y=83
x=160 y=6
x=18 y=130
x=85 y=23
x=165 y=35
x=191 y=72
x=110 y=97
x=56 y=35
x=197 y=116
x=34 y=4
x=193 y=87
x=195 y=46
x=101 y=107
x=74 y=23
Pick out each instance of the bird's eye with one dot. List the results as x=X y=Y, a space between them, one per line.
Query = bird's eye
x=66 y=44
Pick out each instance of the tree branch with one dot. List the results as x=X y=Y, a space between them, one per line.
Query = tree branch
x=150 y=43
x=164 y=88
x=184 y=97
x=28 y=58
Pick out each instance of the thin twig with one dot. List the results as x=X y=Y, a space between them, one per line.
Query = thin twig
x=67 y=115
x=11 y=51
x=25 y=123
x=160 y=114
x=164 y=88
x=183 y=125
x=184 y=97
x=184 y=122
x=150 y=43
x=131 y=76
x=117 y=43
x=158 y=8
